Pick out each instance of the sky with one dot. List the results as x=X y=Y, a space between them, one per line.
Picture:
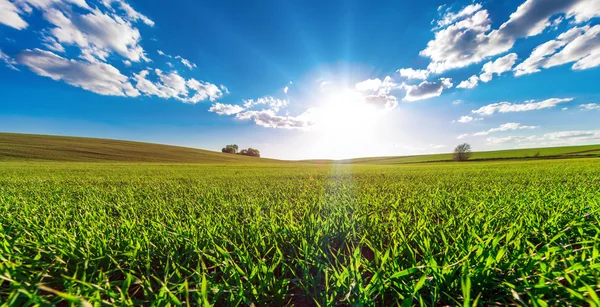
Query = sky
x=305 y=79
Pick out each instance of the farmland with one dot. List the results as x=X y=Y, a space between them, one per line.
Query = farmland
x=497 y=232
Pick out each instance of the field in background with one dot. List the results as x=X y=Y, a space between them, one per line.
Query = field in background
x=28 y=147
x=527 y=153
x=501 y=232
x=31 y=147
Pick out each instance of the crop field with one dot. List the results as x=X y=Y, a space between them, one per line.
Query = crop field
x=485 y=233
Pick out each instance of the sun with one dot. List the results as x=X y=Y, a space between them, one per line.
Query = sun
x=345 y=113
x=344 y=120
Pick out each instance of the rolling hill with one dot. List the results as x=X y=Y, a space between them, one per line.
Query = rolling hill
x=30 y=147
x=527 y=153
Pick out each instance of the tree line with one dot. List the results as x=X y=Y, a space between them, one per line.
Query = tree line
x=233 y=149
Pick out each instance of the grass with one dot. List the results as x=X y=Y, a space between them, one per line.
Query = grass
x=30 y=147
x=487 y=233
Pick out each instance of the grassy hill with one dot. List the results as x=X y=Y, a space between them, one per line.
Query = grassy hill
x=548 y=152
x=29 y=147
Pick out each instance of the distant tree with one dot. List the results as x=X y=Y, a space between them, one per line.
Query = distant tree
x=250 y=152
x=233 y=149
x=462 y=152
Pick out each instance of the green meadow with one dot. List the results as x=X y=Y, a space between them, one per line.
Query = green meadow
x=247 y=231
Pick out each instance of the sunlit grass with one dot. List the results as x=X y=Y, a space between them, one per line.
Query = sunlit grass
x=523 y=233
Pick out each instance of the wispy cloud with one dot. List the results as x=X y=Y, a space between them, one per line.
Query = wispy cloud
x=506 y=107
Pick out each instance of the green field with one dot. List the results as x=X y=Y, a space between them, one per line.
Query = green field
x=246 y=231
x=31 y=147
x=276 y=234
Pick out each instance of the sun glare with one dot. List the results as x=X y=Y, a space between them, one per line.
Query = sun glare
x=344 y=120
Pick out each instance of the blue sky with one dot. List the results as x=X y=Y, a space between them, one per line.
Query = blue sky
x=304 y=79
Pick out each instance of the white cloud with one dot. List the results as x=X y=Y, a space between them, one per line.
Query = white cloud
x=96 y=77
x=590 y=106
x=204 y=90
x=368 y=85
x=410 y=73
x=96 y=33
x=269 y=119
x=580 y=44
x=584 y=10
x=160 y=52
x=584 y=50
x=497 y=67
x=9 y=15
x=225 y=109
x=553 y=138
x=469 y=83
x=506 y=107
x=146 y=86
x=505 y=127
x=132 y=14
x=377 y=86
x=10 y=62
x=186 y=63
x=286 y=89
x=273 y=103
x=468 y=119
x=469 y=39
x=450 y=17
x=172 y=85
x=127 y=63
x=426 y=89
x=457 y=102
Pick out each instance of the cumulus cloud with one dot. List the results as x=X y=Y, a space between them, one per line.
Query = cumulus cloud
x=378 y=92
x=584 y=50
x=410 y=73
x=9 y=15
x=96 y=77
x=579 y=44
x=497 y=67
x=225 y=109
x=172 y=85
x=426 y=89
x=468 y=119
x=450 y=17
x=506 y=107
x=269 y=119
x=286 y=89
x=469 y=83
x=377 y=86
x=272 y=103
x=10 y=62
x=96 y=33
x=590 y=106
x=467 y=37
